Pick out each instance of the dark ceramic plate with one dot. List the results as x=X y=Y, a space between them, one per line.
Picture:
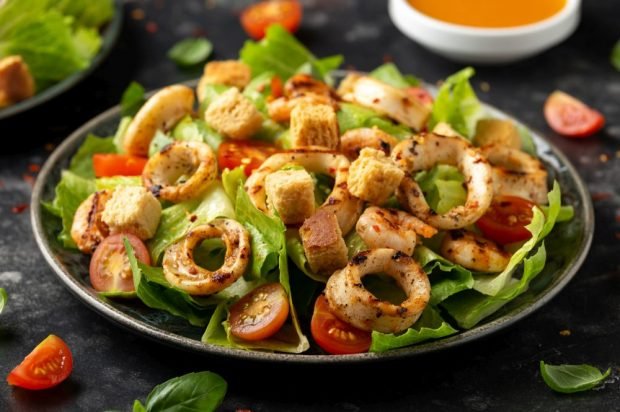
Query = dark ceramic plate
x=109 y=34
x=567 y=247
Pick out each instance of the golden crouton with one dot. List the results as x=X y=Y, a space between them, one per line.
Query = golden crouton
x=444 y=129
x=227 y=72
x=323 y=243
x=497 y=131
x=374 y=177
x=314 y=125
x=234 y=115
x=291 y=194
x=132 y=209
x=16 y=82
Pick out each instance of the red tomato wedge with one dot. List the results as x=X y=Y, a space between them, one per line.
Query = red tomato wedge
x=256 y=18
x=335 y=336
x=250 y=155
x=571 y=117
x=259 y=314
x=109 y=266
x=110 y=164
x=506 y=219
x=46 y=366
x=420 y=94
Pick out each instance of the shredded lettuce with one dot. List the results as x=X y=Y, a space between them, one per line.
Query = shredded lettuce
x=281 y=53
x=351 y=116
x=86 y=12
x=189 y=129
x=389 y=73
x=442 y=187
x=446 y=278
x=429 y=326
x=456 y=104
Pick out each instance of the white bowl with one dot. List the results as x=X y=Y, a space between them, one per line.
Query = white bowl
x=484 y=45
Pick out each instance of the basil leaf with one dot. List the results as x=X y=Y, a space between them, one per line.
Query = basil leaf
x=615 y=56
x=190 y=52
x=3 y=298
x=133 y=99
x=571 y=378
x=200 y=391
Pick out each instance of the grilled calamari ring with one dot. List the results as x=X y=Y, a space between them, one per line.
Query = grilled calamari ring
x=516 y=173
x=424 y=151
x=354 y=140
x=180 y=171
x=88 y=228
x=474 y=252
x=182 y=271
x=160 y=112
x=314 y=159
x=354 y=304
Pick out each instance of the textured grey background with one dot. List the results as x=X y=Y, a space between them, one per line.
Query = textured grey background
x=113 y=366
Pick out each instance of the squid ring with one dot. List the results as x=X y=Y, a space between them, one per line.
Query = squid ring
x=425 y=151
x=353 y=303
x=346 y=206
x=180 y=171
x=181 y=270
x=516 y=173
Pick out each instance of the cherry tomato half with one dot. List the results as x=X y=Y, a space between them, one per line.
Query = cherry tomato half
x=49 y=363
x=109 y=266
x=506 y=219
x=335 y=336
x=420 y=94
x=250 y=155
x=256 y=18
x=259 y=314
x=110 y=164
x=571 y=117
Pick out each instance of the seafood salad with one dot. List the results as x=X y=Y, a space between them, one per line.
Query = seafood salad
x=279 y=209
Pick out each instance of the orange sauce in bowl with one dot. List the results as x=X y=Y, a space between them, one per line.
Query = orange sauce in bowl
x=489 y=13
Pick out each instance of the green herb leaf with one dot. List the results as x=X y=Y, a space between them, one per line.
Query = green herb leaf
x=572 y=378
x=190 y=52
x=615 y=56
x=138 y=406
x=351 y=116
x=3 y=298
x=133 y=99
x=389 y=73
x=442 y=187
x=199 y=391
x=82 y=162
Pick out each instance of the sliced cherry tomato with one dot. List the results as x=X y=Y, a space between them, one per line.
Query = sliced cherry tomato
x=259 y=314
x=110 y=164
x=277 y=89
x=421 y=94
x=506 y=219
x=47 y=365
x=256 y=18
x=250 y=155
x=571 y=117
x=109 y=266
x=335 y=336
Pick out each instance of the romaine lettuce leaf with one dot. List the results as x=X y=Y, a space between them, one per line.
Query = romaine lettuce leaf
x=82 y=162
x=279 y=52
x=527 y=142
x=119 y=136
x=389 y=73
x=113 y=182
x=189 y=129
x=87 y=13
x=429 y=326
x=442 y=187
x=456 y=104
x=351 y=116
x=87 y=42
x=132 y=99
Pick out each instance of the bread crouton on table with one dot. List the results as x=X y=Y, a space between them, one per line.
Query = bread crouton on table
x=374 y=177
x=234 y=115
x=323 y=242
x=132 y=209
x=291 y=194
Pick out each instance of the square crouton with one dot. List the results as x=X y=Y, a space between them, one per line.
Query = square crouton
x=132 y=209
x=373 y=176
x=497 y=131
x=323 y=243
x=291 y=194
x=229 y=72
x=234 y=115
x=314 y=125
x=16 y=82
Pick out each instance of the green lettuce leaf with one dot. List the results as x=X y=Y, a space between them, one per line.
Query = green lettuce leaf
x=442 y=187
x=176 y=220
x=527 y=142
x=189 y=129
x=210 y=93
x=351 y=116
x=86 y=12
x=87 y=42
x=3 y=298
x=113 y=182
x=572 y=378
x=389 y=73
x=429 y=326
x=615 y=56
x=160 y=140
x=279 y=52
x=132 y=99
x=82 y=162
x=456 y=104
x=119 y=136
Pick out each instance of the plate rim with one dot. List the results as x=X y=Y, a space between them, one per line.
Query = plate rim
x=196 y=346
x=114 y=28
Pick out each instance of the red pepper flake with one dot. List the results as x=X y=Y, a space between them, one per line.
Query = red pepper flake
x=598 y=196
x=618 y=235
x=193 y=218
x=137 y=14
x=199 y=32
x=28 y=179
x=617 y=216
x=387 y=58
x=152 y=27
x=49 y=147
x=34 y=168
x=19 y=208
x=350 y=67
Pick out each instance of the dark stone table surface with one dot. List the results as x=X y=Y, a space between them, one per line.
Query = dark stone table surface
x=113 y=366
